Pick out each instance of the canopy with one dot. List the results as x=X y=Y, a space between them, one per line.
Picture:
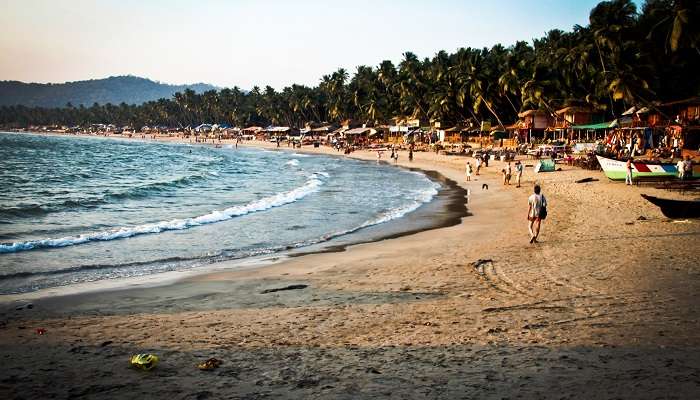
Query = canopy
x=357 y=131
x=602 y=125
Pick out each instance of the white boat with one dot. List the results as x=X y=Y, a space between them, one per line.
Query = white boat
x=617 y=170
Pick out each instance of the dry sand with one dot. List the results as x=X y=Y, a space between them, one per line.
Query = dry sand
x=604 y=307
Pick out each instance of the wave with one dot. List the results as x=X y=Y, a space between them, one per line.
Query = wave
x=312 y=185
x=148 y=189
x=90 y=267
x=419 y=199
x=178 y=263
x=292 y=163
x=136 y=192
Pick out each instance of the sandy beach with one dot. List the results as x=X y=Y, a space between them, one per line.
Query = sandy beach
x=605 y=306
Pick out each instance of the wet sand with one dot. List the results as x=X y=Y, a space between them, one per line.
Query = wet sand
x=604 y=307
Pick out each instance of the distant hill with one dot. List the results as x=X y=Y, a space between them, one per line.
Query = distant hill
x=115 y=90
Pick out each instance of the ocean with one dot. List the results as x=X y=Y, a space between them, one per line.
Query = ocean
x=84 y=209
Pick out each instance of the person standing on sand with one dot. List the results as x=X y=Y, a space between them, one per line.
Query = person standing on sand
x=687 y=168
x=536 y=213
x=509 y=173
x=518 y=172
x=410 y=153
x=478 y=165
x=469 y=171
x=680 y=166
x=628 y=168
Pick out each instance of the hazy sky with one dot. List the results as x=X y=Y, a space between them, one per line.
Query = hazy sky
x=248 y=43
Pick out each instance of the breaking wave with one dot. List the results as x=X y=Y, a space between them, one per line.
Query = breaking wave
x=312 y=185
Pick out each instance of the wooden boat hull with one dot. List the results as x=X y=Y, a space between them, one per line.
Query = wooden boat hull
x=676 y=208
x=617 y=170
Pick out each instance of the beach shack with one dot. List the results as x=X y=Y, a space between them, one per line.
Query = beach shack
x=323 y=131
x=450 y=135
x=534 y=123
x=570 y=116
x=279 y=133
x=253 y=132
x=592 y=132
x=357 y=136
x=401 y=127
x=685 y=123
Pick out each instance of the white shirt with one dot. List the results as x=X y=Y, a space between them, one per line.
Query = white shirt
x=536 y=202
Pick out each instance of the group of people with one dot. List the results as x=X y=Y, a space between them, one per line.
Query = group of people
x=483 y=161
x=684 y=168
x=625 y=144
x=394 y=155
x=507 y=173
x=633 y=143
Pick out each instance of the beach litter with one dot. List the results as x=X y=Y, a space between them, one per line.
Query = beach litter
x=210 y=364
x=40 y=331
x=144 y=361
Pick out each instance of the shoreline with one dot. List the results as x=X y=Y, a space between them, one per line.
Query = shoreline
x=603 y=307
x=447 y=208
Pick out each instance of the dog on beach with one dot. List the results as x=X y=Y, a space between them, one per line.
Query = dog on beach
x=484 y=187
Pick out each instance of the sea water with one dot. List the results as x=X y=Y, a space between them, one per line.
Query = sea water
x=81 y=209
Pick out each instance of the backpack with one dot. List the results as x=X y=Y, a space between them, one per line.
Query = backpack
x=543 y=210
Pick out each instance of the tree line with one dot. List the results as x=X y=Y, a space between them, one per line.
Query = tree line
x=623 y=57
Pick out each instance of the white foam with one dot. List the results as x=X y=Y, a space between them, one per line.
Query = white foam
x=292 y=163
x=312 y=185
x=420 y=198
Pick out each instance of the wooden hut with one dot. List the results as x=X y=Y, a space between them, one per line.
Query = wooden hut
x=535 y=122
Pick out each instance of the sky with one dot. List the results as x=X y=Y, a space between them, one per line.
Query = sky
x=246 y=43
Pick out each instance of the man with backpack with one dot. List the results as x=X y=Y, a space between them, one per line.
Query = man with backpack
x=536 y=213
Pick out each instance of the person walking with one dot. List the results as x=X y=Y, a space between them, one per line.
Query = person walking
x=628 y=168
x=469 y=171
x=518 y=172
x=478 y=165
x=536 y=212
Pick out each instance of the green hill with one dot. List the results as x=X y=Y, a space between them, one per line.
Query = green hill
x=115 y=90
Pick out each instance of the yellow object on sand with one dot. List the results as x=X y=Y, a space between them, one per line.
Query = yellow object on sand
x=210 y=364
x=145 y=362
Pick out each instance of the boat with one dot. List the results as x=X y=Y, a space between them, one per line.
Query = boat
x=676 y=208
x=617 y=170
